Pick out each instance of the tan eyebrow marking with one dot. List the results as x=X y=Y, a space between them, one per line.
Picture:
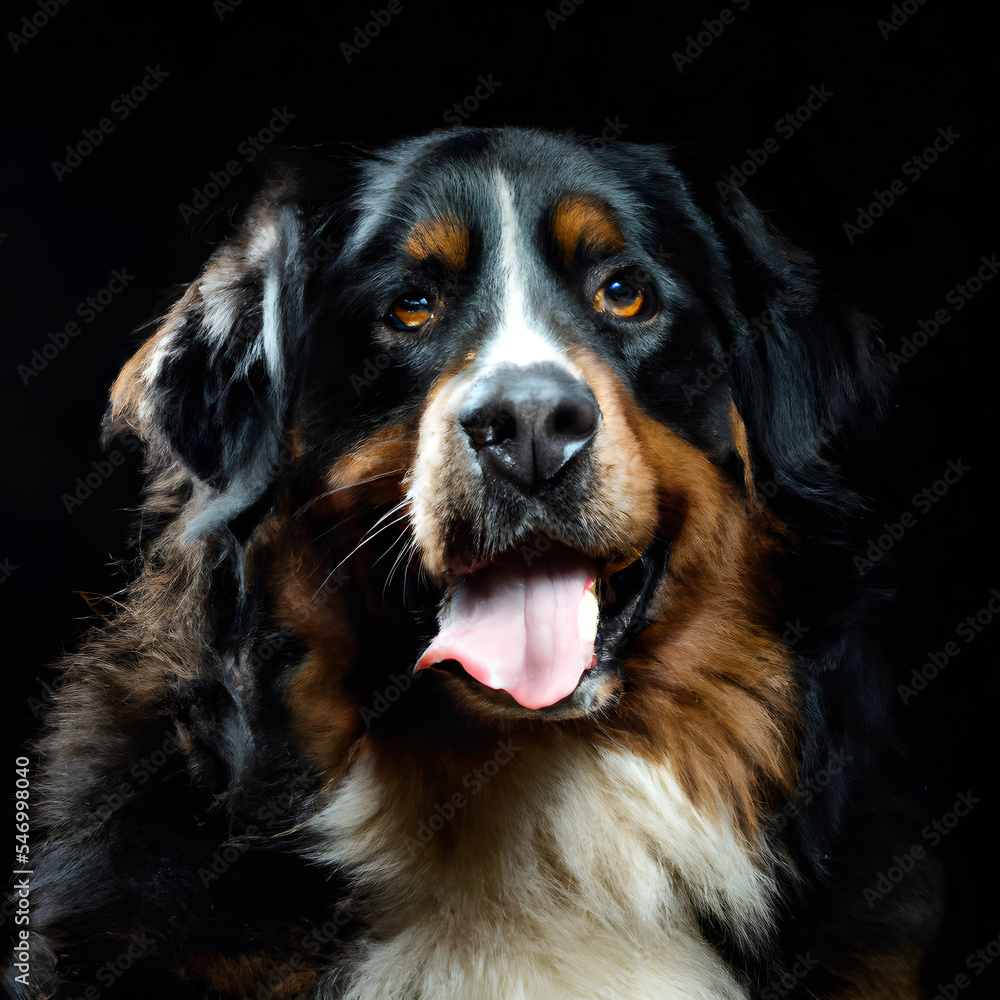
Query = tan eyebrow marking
x=586 y=220
x=446 y=238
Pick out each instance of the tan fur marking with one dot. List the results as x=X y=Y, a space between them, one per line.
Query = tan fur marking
x=741 y=442
x=889 y=975
x=440 y=475
x=307 y=602
x=711 y=685
x=587 y=221
x=369 y=474
x=446 y=238
x=243 y=975
x=307 y=580
x=625 y=496
x=129 y=389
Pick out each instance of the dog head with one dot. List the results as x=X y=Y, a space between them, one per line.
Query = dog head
x=529 y=417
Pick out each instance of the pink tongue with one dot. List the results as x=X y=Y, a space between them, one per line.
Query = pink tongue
x=526 y=630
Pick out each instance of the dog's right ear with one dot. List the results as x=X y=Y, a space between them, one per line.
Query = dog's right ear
x=211 y=390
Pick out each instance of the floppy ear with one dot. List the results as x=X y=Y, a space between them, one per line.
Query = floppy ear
x=210 y=391
x=809 y=373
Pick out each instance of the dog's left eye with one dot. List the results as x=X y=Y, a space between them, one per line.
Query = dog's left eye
x=408 y=312
x=622 y=296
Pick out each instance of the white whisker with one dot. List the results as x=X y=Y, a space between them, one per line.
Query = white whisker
x=348 y=486
x=369 y=536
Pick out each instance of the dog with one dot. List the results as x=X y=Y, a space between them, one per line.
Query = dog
x=495 y=632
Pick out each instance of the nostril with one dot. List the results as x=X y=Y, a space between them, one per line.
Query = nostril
x=489 y=428
x=574 y=420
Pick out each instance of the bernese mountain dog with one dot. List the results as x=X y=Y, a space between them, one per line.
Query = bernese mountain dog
x=495 y=632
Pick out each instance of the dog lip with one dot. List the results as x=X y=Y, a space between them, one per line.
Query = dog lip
x=467 y=564
x=608 y=568
x=531 y=546
x=632 y=589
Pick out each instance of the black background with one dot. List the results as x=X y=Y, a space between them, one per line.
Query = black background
x=229 y=65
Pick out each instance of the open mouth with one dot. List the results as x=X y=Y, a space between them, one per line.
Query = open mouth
x=535 y=627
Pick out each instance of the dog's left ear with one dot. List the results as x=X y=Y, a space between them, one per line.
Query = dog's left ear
x=210 y=391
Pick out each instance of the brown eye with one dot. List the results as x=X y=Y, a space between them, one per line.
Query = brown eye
x=409 y=312
x=621 y=296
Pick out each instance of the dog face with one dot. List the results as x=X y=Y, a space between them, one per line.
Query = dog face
x=516 y=409
x=525 y=309
x=493 y=436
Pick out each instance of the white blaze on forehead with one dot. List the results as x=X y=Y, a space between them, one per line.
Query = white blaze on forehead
x=519 y=339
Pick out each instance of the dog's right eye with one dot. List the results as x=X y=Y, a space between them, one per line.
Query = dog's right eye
x=624 y=296
x=409 y=311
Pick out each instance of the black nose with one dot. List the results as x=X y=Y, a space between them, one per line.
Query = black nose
x=527 y=423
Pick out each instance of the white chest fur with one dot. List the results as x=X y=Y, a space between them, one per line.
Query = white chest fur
x=564 y=873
